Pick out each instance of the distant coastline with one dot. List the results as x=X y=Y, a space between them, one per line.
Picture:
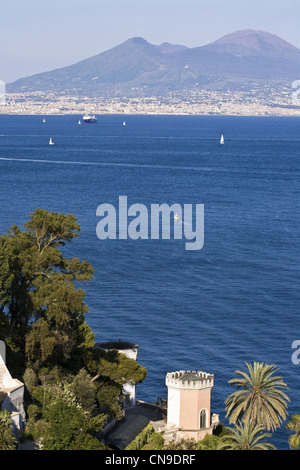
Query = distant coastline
x=203 y=103
x=41 y=114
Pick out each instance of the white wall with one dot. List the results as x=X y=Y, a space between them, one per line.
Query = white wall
x=173 y=406
x=2 y=352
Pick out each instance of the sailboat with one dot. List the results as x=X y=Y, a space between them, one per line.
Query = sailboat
x=124 y=123
x=79 y=122
x=222 y=141
x=44 y=120
x=51 y=141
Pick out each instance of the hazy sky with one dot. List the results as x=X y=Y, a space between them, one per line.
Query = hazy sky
x=39 y=35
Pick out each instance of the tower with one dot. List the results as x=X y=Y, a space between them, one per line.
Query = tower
x=189 y=404
x=131 y=351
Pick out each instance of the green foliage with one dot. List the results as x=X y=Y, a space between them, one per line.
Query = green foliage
x=70 y=428
x=154 y=442
x=52 y=229
x=42 y=321
x=294 y=427
x=221 y=430
x=36 y=430
x=30 y=379
x=65 y=393
x=246 y=436
x=109 y=397
x=260 y=398
x=33 y=413
x=7 y=438
x=141 y=439
x=182 y=444
x=113 y=369
x=209 y=442
x=42 y=394
x=84 y=390
x=59 y=409
x=40 y=309
x=115 y=365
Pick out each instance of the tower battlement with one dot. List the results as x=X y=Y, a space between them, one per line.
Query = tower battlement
x=190 y=380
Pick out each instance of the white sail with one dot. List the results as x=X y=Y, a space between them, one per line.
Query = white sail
x=51 y=141
x=79 y=122
x=222 y=140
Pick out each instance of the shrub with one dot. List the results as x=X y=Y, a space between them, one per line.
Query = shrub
x=141 y=439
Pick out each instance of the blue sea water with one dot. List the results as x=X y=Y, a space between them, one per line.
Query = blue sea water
x=236 y=299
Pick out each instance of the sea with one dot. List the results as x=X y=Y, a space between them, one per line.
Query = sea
x=234 y=301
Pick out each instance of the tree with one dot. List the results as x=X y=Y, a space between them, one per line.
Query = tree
x=70 y=428
x=111 y=370
x=209 y=442
x=114 y=365
x=110 y=398
x=41 y=311
x=84 y=390
x=42 y=318
x=155 y=442
x=8 y=440
x=261 y=399
x=246 y=436
x=294 y=426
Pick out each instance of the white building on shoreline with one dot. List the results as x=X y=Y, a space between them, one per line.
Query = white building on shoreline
x=11 y=394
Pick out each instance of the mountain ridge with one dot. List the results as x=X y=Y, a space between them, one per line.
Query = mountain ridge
x=137 y=67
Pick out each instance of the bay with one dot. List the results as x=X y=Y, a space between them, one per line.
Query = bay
x=237 y=298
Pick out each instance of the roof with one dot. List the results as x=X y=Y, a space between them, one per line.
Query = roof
x=126 y=430
x=189 y=377
x=117 y=345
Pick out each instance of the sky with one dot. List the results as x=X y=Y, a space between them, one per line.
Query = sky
x=37 y=35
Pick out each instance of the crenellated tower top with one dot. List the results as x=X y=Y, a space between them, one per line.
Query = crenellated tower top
x=190 y=380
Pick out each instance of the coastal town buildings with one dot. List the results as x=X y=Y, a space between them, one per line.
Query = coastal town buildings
x=260 y=101
x=11 y=394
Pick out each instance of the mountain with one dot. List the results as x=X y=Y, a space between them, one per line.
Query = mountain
x=138 y=68
x=248 y=43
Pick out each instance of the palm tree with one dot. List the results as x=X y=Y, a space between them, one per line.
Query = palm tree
x=260 y=399
x=246 y=436
x=294 y=426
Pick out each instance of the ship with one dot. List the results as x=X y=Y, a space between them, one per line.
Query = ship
x=88 y=119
